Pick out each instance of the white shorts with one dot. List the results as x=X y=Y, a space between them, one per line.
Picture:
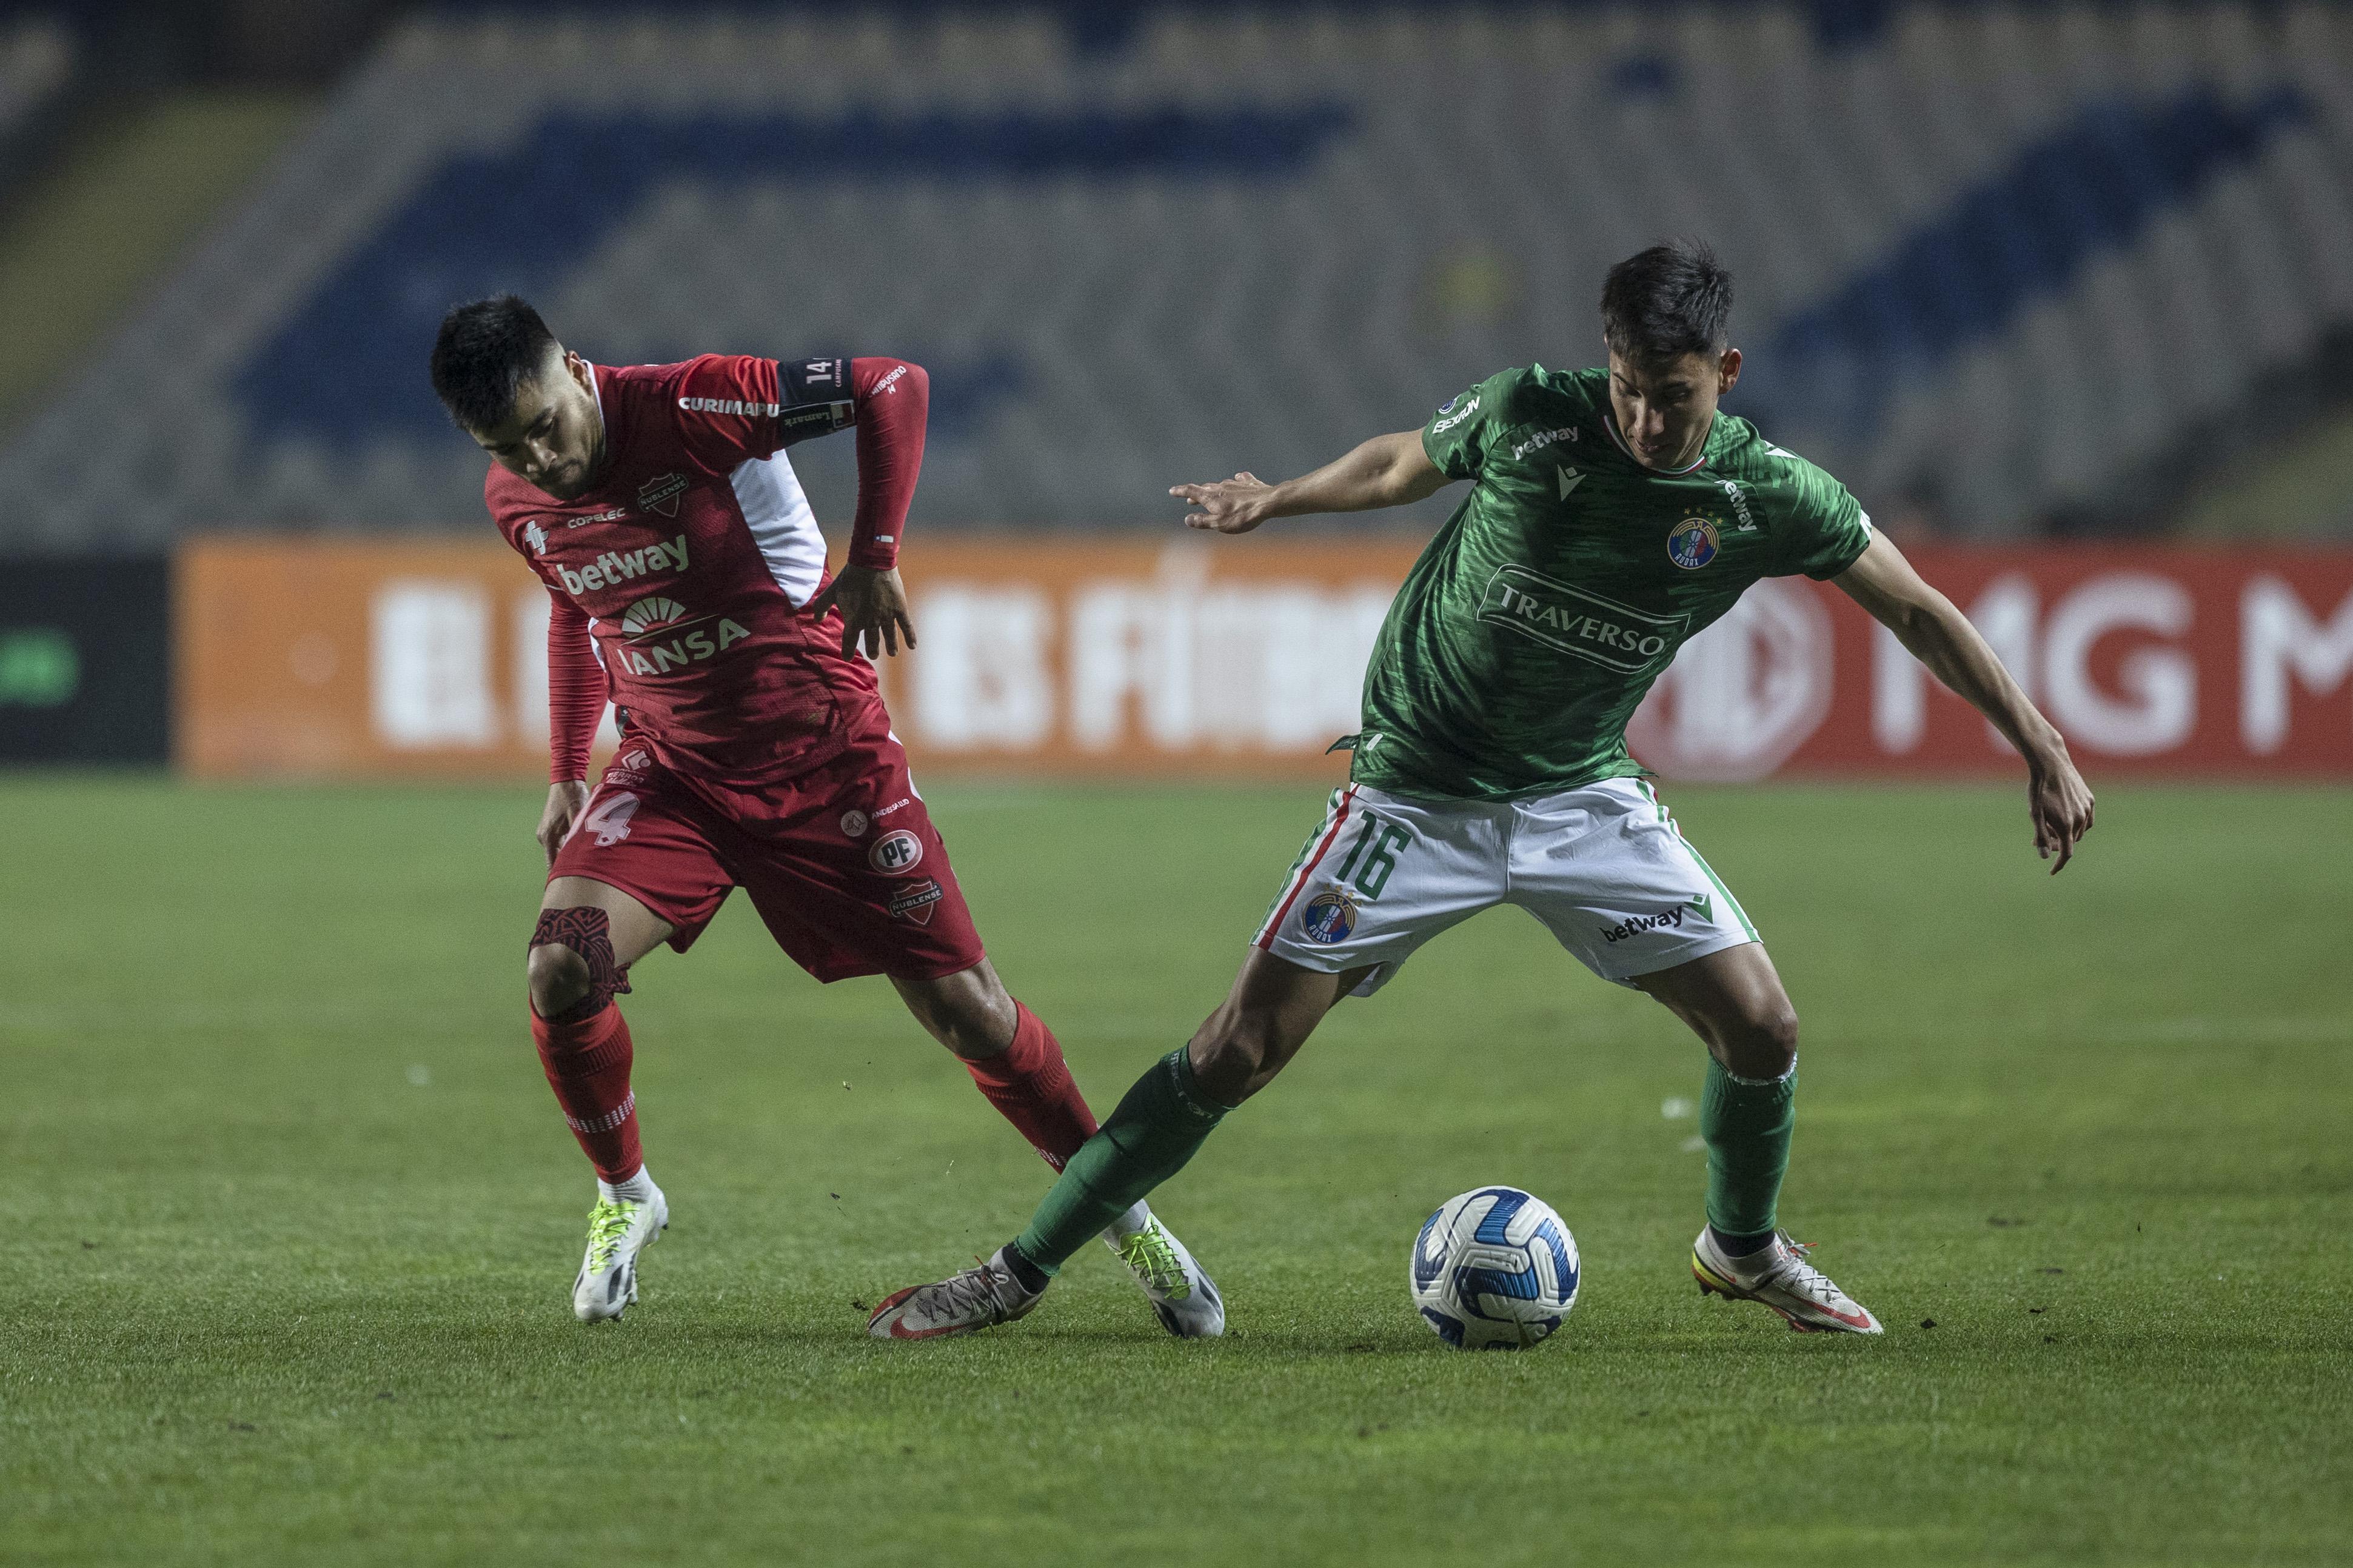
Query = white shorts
x=1604 y=866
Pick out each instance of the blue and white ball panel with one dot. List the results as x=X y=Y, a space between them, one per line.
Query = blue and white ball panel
x=1494 y=1268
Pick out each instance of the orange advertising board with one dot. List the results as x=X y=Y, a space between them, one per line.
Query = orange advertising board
x=1191 y=655
x=359 y=660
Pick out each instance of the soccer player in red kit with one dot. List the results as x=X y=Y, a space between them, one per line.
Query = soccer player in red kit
x=688 y=577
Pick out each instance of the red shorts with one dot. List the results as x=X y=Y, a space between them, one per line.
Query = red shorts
x=842 y=862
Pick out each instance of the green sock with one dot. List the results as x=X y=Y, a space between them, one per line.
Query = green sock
x=1146 y=1140
x=1747 y=1123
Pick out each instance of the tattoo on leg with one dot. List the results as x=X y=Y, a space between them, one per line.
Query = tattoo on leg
x=588 y=932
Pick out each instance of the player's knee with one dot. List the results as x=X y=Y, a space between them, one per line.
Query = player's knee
x=1764 y=1043
x=572 y=968
x=974 y=1025
x=559 y=980
x=1237 y=1050
x=970 y=1012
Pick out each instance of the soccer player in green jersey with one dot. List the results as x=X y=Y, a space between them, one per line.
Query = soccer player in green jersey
x=1613 y=514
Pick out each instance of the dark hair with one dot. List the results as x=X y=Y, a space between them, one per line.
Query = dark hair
x=484 y=353
x=1665 y=302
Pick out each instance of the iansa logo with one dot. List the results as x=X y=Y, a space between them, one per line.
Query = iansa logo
x=661 y=636
x=646 y=614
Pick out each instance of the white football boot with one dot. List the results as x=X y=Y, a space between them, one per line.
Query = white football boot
x=1181 y=1292
x=1779 y=1277
x=978 y=1299
x=619 y=1229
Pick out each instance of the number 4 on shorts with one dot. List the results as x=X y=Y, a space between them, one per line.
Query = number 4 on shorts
x=1376 y=845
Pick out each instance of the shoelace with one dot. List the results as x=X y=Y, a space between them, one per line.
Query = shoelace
x=974 y=1288
x=608 y=1226
x=1148 y=1252
x=1798 y=1273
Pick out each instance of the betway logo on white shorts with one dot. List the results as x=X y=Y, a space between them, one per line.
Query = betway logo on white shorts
x=1602 y=631
x=659 y=636
x=613 y=568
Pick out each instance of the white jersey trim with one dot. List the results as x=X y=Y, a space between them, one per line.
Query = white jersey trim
x=782 y=524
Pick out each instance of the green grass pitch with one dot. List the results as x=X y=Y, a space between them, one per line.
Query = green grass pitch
x=293 y=1216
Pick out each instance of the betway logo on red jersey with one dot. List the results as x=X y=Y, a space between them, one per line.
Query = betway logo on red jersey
x=613 y=568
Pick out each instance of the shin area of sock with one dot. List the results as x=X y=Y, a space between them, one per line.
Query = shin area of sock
x=1030 y=1086
x=1747 y=1123
x=587 y=1062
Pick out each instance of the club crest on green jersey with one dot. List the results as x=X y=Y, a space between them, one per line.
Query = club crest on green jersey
x=1691 y=543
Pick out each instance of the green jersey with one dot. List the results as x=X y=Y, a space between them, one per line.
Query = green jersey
x=1525 y=636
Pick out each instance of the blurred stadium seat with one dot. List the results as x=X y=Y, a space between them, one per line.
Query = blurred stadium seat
x=2006 y=261
x=36 y=62
x=39 y=62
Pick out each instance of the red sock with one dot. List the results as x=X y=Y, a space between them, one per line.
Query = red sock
x=587 y=1064
x=1030 y=1086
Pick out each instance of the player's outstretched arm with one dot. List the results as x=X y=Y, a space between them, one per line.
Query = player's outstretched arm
x=1387 y=471
x=892 y=398
x=1884 y=583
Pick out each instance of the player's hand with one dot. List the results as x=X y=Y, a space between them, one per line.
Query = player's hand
x=565 y=802
x=873 y=606
x=1227 y=506
x=2060 y=803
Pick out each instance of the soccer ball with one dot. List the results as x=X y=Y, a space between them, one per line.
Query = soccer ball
x=1494 y=1270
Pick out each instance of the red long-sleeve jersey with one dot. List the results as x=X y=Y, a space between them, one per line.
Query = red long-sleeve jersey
x=683 y=570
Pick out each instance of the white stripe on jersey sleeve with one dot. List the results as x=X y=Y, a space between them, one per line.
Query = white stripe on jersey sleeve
x=782 y=526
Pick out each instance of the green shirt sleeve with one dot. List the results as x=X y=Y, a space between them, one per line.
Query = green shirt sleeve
x=1459 y=435
x=1827 y=531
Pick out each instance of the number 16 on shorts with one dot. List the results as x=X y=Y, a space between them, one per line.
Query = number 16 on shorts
x=1345 y=865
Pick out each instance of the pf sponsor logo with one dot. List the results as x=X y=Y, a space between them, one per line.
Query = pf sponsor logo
x=896 y=853
x=1692 y=543
x=853 y=824
x=660 y=493
x=1329 y=917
